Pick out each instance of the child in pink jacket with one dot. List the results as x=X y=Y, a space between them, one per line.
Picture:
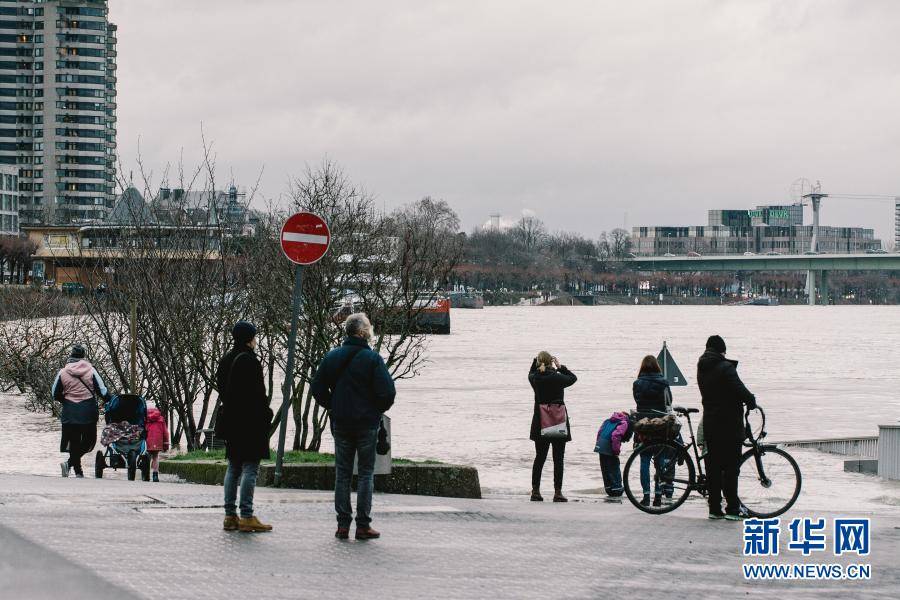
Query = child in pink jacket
x=157 y=439
x=615 y=430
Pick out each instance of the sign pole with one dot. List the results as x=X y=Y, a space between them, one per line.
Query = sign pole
x=665 y=361
x=289 y=372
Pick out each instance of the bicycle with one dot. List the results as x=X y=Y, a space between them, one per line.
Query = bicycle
x=768 y=485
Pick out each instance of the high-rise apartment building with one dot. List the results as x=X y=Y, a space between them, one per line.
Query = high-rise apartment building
x=9 y=201
x=57 y=107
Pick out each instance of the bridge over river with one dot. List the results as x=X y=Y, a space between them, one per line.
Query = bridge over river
x=816 y=265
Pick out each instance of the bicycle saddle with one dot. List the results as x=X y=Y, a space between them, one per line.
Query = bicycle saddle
x=685 y=411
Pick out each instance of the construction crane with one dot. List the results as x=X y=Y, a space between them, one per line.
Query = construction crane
x=811 y=195
x=803 y=191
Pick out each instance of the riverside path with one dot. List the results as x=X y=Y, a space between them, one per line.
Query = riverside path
x=68 y=538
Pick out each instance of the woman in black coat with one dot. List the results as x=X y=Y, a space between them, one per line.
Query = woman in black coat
x=246 y=420
x=549 y=379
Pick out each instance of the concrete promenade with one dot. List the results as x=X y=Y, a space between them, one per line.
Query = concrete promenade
x=117 y=539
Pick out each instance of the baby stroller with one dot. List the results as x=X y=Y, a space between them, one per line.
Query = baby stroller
x=124 y=437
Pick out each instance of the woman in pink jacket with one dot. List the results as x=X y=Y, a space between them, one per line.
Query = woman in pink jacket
x=157 y=439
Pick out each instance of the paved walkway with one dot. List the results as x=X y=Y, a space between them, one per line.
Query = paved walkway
x=111 y=538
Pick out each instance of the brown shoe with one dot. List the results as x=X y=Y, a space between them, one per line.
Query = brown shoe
x=536 y=496
x=253 y=525
x=367 y=533
x=230 y=524
x=558 y=497
x=342 y=533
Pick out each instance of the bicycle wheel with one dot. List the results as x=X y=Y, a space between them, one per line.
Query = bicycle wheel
x=769 y=486
x=658 y=477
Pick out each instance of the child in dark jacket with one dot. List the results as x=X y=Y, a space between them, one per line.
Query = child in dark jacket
x=614 y=430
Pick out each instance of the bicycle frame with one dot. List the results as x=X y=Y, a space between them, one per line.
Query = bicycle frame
x=755 y=445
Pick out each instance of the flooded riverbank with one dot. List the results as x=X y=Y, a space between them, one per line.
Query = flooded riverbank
x=818 y=371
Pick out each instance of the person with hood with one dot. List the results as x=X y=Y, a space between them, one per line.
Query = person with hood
x=157 y=439
x=548 y=379
x=246 y=415
x=614 y=430
x=76 y=387
x=353 y=384
x=724 y=397
x=653 y=398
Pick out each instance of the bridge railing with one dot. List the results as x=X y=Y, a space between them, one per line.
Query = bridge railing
x=861 y=447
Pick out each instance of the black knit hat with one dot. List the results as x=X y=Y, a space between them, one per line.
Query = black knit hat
x=716 y=344
x=78 y=351
x=243 y=332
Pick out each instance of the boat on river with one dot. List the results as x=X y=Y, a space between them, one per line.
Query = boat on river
x=466 y=300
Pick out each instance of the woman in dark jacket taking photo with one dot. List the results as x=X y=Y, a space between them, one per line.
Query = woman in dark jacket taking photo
x=549 y=379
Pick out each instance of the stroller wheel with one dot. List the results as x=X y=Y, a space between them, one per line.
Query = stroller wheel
x=132 y=465
x=144 y=464
x=99 y=465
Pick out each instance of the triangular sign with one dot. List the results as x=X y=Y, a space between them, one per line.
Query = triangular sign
x=670 y=370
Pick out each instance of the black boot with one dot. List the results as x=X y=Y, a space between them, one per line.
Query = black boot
x=155 y=476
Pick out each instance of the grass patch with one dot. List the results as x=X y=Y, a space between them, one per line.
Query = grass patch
x=291 y=457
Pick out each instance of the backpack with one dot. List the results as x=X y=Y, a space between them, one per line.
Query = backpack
x=604 y=436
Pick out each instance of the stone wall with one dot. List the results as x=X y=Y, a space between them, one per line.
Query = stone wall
x=452 y=481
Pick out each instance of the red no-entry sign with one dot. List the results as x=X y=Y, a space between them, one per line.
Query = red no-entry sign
x=305 y=238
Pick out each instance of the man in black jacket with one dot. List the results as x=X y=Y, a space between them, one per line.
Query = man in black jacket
x=724 y=397
x=246 y=418
x=354 y=385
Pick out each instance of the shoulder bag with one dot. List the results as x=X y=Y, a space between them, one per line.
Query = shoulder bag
x=554 y=421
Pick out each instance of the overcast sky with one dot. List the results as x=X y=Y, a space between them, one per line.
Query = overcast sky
x=581 y=111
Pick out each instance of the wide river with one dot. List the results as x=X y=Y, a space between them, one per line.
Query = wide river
x=819 y=372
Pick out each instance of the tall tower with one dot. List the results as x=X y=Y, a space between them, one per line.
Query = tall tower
x=897 y=224
x=57 y=107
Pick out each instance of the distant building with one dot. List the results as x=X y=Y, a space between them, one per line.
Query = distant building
x=762 y=230
x=897 y=224
x=58 y=107
x=9 y=200
x=75 y=252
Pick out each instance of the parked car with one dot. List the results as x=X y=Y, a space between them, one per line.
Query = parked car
x=748 y=253
x=810 y=253
x=693 y=254
x=773 y=253
x=876 y=251
x=669 y=254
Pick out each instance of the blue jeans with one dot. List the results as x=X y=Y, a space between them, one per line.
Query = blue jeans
x=349 y=442
x=245 y=473
x=612 y=475
x=664 y=462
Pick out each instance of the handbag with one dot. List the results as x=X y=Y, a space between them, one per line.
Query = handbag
x=554 y=421
x=221 y=426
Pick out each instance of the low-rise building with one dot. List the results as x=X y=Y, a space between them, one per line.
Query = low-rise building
x=766 y=229
x=89 y=253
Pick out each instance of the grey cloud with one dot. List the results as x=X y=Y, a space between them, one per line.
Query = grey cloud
x=579 y=110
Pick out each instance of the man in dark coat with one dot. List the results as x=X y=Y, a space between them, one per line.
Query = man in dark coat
x=724 y=397
x=354 y=385
x=247 y=418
